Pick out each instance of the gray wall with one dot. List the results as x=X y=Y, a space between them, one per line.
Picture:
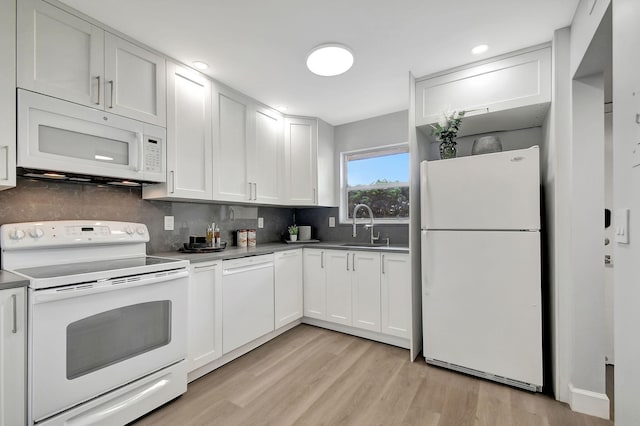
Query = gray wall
x=34 y=200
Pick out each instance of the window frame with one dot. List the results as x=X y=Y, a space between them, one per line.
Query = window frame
x=378 y=151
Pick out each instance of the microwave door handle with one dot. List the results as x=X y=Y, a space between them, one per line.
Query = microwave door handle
x=140 y=151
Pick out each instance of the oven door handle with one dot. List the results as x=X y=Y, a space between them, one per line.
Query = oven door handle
x=55 y=294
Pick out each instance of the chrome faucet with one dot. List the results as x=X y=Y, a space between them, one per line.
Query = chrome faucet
x=370 y=226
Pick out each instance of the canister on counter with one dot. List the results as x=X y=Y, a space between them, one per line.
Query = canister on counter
x=242 y=237
x=251 y=237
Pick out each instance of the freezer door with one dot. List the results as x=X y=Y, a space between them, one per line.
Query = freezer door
x=482 y=301
x=490 y=191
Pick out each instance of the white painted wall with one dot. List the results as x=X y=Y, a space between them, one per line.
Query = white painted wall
x=377 y=131
x=586 y=20
x=626 y=134
x=556 y=165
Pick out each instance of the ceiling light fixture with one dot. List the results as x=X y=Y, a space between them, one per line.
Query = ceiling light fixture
x=200 y=65
x=481 y=48
x=330 y=59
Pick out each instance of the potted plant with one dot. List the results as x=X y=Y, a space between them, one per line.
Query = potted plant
x=293 y=232
x=446 y=131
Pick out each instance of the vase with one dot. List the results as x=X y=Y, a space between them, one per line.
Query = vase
x=293 y=237
x=448 y=150
x=486 y=145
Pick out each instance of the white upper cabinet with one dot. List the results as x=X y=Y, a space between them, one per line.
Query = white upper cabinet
x=232 y=127
x=266 y=157
x=7 y=95
x=522 y=80
x=301 y=160
x=189 y=140
x=69 y=58
x=135 y=81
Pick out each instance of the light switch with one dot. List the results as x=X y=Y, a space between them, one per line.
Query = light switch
x=168 y=223
x=261 y=222
x=332 y=222
x=621 y=226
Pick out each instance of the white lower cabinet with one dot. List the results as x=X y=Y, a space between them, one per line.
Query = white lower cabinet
x=338 y=287
x=365 y=287
x=205 y=314
x=314 y=281
x=288 y=287
x=396 y=294
x=12 y=357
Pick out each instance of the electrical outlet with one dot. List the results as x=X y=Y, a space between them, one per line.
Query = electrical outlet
x=168 y=223
x=260 y=222
x=332 y=222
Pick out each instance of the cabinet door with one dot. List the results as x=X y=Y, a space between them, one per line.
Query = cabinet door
x=135 y=81
x=365 y=284
x=508 y=83
x=314 y=280
x=288 y=287
x=396 y=294
x=266 y=157
x=301 y=160
x=339 y=264
x=204 y=314
x=12 y=357
x=59 y=54
x=189 y=142
x=230 y=142
x=7 y=95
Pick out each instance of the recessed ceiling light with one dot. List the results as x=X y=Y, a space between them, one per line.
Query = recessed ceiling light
x=281 y=108
x=200 y=65
x=481 y=48
x=330 y=59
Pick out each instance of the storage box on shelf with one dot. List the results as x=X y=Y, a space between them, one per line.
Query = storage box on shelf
x=67 y=57
x=509 y=92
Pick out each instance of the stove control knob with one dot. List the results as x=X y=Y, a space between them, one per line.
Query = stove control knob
x=140 y=230
x=16 y=234
x=36 y=233
x=129 y=230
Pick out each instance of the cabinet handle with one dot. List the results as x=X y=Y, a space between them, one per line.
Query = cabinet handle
x=322 y=260
x=111 y=84
x=255 y=191
x=314 y=196
x=250 y=191
x=353 y=262
x=476 y=111
x=347 y=261
x=14 y=304
x=173 y=181
x=383 y=263
x=99 y=84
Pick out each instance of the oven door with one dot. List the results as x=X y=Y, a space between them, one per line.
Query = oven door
x=91 y=338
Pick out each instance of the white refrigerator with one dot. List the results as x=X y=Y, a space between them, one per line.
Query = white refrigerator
x=481 y=266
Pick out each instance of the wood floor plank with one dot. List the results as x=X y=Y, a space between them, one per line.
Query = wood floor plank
x=312 y=376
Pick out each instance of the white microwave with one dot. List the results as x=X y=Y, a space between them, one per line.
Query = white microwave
x=60 y=136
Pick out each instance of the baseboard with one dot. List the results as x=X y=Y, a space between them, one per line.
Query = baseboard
x=371 y=335
x=238 y=352
x=588 y=402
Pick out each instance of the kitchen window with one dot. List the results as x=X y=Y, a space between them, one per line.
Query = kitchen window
x=378 y=178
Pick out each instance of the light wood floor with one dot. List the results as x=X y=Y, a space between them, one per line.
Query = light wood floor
x=312 y=376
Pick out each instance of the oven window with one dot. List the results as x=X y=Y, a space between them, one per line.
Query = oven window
x=109 y=337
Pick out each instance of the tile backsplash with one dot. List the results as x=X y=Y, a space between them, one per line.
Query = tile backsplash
x=41 y=200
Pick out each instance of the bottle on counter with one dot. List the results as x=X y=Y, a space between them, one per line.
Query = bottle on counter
x=210 y=236
x=216 y=236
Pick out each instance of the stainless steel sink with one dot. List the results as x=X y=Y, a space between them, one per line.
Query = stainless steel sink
x=367 y=245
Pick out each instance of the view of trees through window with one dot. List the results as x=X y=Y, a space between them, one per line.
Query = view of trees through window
x=379 y=179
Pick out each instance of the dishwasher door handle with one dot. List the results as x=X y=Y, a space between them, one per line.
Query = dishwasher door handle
x=241 y=269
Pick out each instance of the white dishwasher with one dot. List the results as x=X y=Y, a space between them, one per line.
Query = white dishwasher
x=247 y=300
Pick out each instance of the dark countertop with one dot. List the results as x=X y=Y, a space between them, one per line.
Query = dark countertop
x=10 y=280
x=235 y=252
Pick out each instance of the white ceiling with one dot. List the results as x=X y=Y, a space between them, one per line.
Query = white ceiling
x=260 y=47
